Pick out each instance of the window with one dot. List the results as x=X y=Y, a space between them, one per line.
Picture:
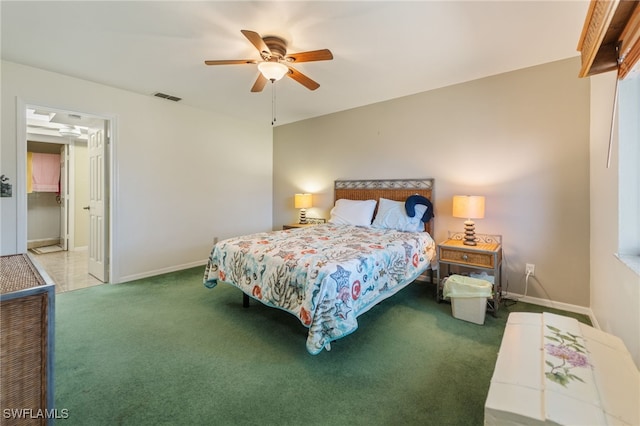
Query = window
x=610 y=41
x=628 y=170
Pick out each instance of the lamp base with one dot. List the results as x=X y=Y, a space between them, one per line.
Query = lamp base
x=303 y=217
x=469 y=233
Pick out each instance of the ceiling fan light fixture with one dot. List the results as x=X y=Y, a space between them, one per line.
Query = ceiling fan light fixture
x=70 y=132
x=273 y=71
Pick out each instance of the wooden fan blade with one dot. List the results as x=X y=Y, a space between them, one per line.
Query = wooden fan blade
x=302 y=79
x=259 y=84
x=232 y=62
x=313 y=55
x=258 y=42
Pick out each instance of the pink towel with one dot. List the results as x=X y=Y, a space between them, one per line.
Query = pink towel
x=46 y=172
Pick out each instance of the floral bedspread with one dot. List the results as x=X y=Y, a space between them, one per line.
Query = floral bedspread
x=326 y=275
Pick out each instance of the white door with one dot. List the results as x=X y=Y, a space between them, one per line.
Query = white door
x=98 y=219
x=64 y=197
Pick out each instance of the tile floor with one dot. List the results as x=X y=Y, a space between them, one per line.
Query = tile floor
x=68 y=269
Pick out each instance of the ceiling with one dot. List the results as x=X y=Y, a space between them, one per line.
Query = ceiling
x=48 y=125
x=382 y=49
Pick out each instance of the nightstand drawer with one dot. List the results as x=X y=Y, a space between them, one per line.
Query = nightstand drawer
x=483 y=260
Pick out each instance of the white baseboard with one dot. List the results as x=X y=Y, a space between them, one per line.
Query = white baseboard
x=555 y=305
x=162 y=271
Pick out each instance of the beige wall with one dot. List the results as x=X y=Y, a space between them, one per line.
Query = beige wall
x=520 y=138
x=615 y=288
x=43 y=215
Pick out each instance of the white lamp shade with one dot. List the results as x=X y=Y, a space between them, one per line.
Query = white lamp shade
x=273 y=70
x=468 y=206
x=302 y=201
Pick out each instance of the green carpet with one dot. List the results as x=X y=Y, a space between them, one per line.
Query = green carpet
x=167 y=350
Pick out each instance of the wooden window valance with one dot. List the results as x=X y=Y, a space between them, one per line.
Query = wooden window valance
x=610 y=38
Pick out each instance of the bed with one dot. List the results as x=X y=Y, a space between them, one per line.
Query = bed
x=329 y=274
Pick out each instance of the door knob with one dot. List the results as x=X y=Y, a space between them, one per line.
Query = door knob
x=86 y=208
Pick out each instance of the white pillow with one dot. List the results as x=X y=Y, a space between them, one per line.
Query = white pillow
x=393 y=215
x=353 y=212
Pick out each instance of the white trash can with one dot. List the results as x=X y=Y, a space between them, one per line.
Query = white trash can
x=468 y=297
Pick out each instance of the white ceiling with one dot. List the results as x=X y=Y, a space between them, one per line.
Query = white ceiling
x=382 y=49
x=45 y=124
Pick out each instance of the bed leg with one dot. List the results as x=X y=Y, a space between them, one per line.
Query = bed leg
x=245 y=300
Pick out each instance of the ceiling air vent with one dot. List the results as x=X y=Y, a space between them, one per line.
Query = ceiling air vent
x=168 y=97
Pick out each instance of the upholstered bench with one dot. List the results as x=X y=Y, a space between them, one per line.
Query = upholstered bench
x=555 y=370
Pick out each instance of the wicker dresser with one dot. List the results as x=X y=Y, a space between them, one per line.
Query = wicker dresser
x=26 y=342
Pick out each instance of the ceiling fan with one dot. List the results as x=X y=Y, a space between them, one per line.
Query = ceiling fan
x=275 y=63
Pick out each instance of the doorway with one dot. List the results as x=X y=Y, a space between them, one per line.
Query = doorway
x=80 y=220
x=49 y=228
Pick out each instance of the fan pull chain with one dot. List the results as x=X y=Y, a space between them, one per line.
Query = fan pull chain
x=273 y=102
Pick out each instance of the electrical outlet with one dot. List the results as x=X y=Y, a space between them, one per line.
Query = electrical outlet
x=530 y=269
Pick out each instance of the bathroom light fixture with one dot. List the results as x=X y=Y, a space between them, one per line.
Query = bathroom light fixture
x=302 y=202
x=70 y=132
x=273 y=71
x=468 y=207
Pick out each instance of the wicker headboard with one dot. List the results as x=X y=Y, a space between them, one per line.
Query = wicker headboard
x=391 y=189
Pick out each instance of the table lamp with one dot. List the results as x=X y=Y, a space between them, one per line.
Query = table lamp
x=302 y=202
x=468 y=207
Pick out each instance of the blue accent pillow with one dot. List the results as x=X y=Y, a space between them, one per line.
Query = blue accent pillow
x=415 y=200
x=392 y=215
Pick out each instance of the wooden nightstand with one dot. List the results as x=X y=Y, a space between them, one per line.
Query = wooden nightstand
x=298 y=225
x=485 y=256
